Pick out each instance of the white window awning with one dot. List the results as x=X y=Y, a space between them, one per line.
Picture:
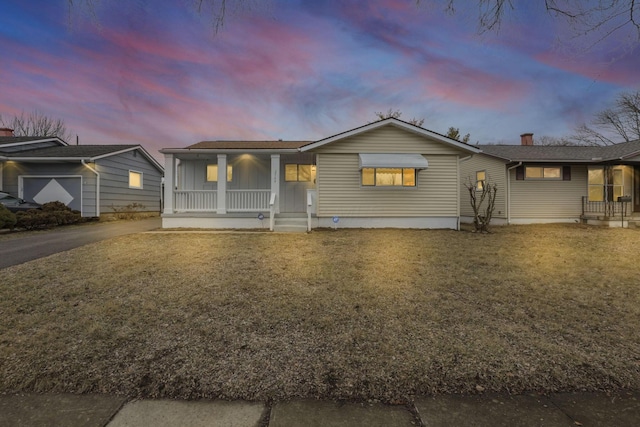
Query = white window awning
x=414 y=161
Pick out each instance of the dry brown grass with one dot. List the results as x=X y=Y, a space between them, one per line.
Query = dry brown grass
x=348 y=314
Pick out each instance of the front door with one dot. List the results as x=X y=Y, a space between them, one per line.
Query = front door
x=298 y=175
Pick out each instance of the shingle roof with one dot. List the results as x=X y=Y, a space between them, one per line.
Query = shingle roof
x=18 y=139
x=71 y=151
x=551 y=153
x=247 y=145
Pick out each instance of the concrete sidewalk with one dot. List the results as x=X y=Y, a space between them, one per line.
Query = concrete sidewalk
x=489 y=410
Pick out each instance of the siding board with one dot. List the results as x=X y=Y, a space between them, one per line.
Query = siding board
x=496 y=171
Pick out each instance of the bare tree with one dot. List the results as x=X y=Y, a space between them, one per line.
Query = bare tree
x=482 y=196
x=596 y=18
x=396 y=115
x=37 y=124
x=612 y=125
x=454 y=133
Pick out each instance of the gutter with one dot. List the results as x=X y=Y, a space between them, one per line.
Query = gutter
x=97 y=185
x=509 y=191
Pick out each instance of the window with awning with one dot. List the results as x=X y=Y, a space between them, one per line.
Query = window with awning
x=390 y=170
x=406 y=161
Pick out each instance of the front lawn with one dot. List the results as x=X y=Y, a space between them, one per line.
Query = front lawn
x=347 y=314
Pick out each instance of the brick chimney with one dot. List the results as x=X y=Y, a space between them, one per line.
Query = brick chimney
x=526 y=139
x=6 y=132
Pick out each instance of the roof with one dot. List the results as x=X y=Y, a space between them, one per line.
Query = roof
x=561 y=153
x=247 y=145
x=6 y=140
x=72 y=151
x=79 y=152
x=391 y=121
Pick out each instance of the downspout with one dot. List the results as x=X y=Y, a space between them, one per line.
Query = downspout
x=464 y=159
x=97 y=186
x=509 y=191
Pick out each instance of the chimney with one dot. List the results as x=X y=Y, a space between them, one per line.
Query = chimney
x=526 y=139
x=6 y=132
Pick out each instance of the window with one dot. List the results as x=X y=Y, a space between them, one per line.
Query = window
x=596 y=184
x=481 y=177
x=608 y=183
x=295 y=172
x=535 y=172
x=389 y=177
x=212 y=173
x=135 y=179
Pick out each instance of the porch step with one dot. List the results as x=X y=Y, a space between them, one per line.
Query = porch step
x=295 y=223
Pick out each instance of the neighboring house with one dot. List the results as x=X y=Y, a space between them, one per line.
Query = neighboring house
x=556 y=183
x=384 y=174
x=93 y=179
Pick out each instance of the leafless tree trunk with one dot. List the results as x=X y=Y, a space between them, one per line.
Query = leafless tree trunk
x=482 y=197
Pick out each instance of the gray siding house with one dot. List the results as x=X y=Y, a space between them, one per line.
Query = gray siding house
x=93 y=179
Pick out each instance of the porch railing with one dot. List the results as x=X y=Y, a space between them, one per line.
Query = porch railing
x=247 y=200
x=604 y=208
x=195 y=200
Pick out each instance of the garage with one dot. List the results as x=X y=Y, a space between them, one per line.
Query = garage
x=42 y=189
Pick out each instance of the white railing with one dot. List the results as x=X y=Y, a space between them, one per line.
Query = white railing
x=272 y=210
x=195 y=200
x=247 y=200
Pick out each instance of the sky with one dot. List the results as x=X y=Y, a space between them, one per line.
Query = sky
x=156 y=73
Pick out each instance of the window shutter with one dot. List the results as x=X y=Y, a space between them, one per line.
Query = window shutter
x=566 y=173
x=520 y=173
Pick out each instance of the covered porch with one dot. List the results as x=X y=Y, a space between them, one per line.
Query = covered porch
x=236 y=188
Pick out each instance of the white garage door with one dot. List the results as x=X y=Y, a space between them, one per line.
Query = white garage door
x=65 y=189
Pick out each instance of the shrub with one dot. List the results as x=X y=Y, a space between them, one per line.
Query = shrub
x=7 y=218
x=52 y=214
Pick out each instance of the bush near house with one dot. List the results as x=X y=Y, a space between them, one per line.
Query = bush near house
x=52 y=214
x=7 y=218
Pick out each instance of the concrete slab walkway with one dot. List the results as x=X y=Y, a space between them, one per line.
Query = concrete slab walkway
x=487 y=410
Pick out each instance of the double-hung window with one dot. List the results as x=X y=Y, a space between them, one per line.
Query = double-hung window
x=294 y=172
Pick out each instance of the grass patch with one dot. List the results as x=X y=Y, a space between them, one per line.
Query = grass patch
x=348 y=314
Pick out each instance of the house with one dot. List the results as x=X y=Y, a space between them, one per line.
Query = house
x=389 y=173
x=556 y=183
x=93 y=179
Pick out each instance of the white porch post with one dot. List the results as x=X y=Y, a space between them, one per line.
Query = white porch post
x=169 y=184
x=275 y=179
x=222 y=184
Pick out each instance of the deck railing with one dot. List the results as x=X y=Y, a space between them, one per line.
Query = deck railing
x=604 y=208
x=207 y=200
x=247 y=200
x=195 y=200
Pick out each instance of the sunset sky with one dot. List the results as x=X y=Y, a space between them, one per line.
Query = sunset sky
x=157 y=74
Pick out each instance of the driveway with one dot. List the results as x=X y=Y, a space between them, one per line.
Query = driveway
x=33 y=245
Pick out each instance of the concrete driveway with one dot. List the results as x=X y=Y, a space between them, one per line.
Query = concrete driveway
x=28 y=246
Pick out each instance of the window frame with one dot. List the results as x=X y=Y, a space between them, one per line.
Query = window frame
x=543 y=177
x=402 y=178
x=229 y=173
x=141 y=174
x=298 y=165
x=480 y=183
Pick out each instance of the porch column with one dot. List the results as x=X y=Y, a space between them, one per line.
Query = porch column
x=275 y=179
x=222 y=184
x=169 y=184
